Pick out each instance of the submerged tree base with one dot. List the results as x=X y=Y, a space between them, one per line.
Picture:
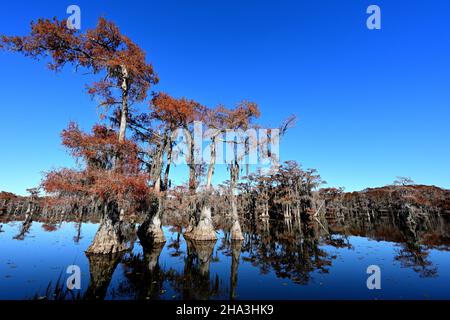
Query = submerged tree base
x=151 y=234
x=204 y=231
x=236 y=232
x=107 y=240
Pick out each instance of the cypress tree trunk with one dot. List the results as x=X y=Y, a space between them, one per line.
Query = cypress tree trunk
x=192 y=188
x=109 y=238
x=150 y=232
x=124 y=115
x=169 y=163
x=204 y=230
x=236 y=232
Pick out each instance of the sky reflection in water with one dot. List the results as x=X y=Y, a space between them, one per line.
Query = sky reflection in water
x=186 y=271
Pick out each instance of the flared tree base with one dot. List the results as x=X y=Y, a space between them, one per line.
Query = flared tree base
x=108 y=240
x=236 y=232
x=203 y=232
x=149 y=234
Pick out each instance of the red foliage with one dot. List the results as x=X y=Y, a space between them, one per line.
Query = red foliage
x=111 y=170
x=428 y=198
x=7 y=196
x=49 y=227
x=240 y=117
x=101 y=49
x=101 y=149
x=175 y=112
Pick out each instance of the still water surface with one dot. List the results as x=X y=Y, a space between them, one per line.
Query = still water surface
x=262 y=267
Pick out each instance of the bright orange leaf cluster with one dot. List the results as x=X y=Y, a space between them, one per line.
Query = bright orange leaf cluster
x=111 y=170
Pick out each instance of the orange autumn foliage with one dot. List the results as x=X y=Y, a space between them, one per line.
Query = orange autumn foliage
x=103 y=49
x=176 y=112
x=110 y=169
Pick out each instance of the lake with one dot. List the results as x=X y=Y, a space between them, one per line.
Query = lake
x=274 y=262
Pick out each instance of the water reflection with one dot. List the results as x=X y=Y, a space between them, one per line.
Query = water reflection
x=195 y=283
x=236 y=248
x=78 y=236
x=101 y=269
x=24 y=229
x=143 y=276
x=415 y=256
x=291 y=253
x=284 y=259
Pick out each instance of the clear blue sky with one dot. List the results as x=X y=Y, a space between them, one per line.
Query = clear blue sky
x=371 y=104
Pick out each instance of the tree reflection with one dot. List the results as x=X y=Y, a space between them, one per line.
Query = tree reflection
x=24 y=229
x=288 y=252
x=413 y=255
x=78 y=236
x=414 y=240
x=101 y=269
x=196 y=283
x=236 y=248
x=174 y=245
x=143 y=276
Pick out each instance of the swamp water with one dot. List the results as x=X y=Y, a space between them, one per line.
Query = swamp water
x=273 y=263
